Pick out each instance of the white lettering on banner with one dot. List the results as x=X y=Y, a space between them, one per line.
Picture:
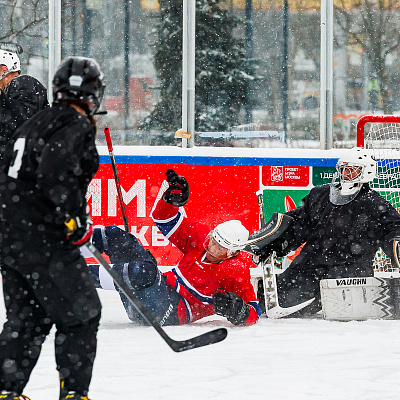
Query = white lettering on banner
x=157 y=238
x=326 y=175
x=140 y=235
x=138 y=190
x=94 y=192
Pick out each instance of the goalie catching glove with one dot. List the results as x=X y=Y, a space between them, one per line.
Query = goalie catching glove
x=231 y=306
x=79 y=228
x=276 y=236
x=177 y=193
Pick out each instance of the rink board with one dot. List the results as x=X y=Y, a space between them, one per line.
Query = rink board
x=223 y=183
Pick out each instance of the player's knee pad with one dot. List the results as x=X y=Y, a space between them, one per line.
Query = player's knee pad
x=137 y=275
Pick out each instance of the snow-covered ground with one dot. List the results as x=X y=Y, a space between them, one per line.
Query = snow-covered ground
x=276 y=359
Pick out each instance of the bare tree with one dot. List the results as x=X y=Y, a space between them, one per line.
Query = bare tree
x=374 y=25
x=22 y=22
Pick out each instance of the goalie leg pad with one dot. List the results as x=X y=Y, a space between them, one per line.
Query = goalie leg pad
x=348 y=299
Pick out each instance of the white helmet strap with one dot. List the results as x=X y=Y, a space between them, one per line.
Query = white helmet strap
x=5 y=74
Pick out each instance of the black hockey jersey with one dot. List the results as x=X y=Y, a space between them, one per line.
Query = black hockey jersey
x=20 y=100
x=49 y=162
x=343 y=236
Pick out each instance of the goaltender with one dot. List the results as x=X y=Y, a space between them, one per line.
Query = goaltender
x=342 y=224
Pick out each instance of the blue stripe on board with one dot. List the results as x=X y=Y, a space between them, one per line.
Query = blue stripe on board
x=199 y=160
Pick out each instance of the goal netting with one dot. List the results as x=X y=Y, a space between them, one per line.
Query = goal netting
x=382 y=135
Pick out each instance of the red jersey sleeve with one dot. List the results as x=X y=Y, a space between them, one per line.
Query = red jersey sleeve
x=185 y=234
x=236 y=278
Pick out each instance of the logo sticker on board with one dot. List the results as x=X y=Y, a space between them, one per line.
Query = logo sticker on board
x=278 y=175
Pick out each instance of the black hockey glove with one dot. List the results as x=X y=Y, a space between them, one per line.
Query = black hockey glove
x=177 y=193
x=79 y=228
x=231 y=306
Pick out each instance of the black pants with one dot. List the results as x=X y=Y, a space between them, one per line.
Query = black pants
x=138 y=268
x=45 y=286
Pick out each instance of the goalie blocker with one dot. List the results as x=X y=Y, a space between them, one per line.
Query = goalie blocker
x=346 y=299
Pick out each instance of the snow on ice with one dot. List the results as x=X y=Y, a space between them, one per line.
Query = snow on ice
x=289 y=359
x=302 y=359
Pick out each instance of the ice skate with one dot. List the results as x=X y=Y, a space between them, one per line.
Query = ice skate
x=12 y=396
x=74 y=396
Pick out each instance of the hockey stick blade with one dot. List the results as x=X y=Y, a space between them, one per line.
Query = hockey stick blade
x=178 y=346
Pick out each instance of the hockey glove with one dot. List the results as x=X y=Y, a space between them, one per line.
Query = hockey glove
x=177 y=193
x=79 y=228
x=231 y=306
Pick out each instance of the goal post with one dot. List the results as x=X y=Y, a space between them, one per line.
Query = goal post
x=375 y=119
x=381 y=134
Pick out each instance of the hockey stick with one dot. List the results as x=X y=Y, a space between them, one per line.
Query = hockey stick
x=205 y=339
x=116 y=178
x=264 y=269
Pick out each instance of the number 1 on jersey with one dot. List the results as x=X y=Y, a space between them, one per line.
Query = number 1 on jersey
x=19 y=147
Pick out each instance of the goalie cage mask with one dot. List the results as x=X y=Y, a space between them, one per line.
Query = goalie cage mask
x=346 y=190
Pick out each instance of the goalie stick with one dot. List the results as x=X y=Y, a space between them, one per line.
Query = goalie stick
x=275 y=310
x=116 y=178
x=269 y=230
x=205 y=339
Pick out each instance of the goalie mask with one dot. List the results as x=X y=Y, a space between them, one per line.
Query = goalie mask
x=352 y=171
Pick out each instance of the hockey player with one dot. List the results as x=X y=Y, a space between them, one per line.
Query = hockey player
x=21 y=96
x=49 y=163
x=212 y=276
x=342 y=224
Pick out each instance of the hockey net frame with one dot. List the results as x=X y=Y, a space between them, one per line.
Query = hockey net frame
x=381 y=133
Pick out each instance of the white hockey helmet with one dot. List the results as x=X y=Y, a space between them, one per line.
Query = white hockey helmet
x=10 y=60
x=231 y=234
x=353 y=169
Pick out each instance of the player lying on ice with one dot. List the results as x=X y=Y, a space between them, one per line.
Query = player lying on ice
x=342 y=224
x=212 y=277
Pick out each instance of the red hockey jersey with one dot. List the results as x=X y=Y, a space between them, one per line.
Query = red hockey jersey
x=196 y=279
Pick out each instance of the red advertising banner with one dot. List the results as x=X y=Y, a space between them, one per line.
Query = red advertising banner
x=217 y=193
x=280 y=175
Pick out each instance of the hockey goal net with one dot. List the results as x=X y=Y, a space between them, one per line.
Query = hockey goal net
x=381 y=133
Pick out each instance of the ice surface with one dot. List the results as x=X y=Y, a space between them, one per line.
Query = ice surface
x=295 y=359
x=292 y=359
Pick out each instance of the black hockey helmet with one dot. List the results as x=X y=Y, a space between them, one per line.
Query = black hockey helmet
x=79 y=80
